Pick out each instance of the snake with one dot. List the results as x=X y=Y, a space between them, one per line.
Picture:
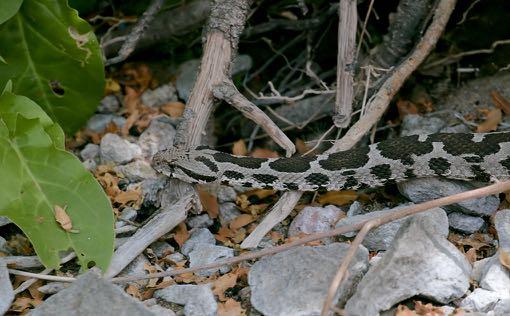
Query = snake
x=481 y=157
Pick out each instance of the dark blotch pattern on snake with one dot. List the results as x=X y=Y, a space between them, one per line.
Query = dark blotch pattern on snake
x=470 y=157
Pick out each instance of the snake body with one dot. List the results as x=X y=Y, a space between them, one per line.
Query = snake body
x=471 y=156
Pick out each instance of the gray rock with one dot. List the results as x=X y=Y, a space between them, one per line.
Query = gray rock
x=495 y=277
x=355 y=209
x=90 y=164
x=425 y=189
x=198 y=300
x=161 y=311
x=98 y=122
x=295 y=282
x=159 y=96
x=91 y=295
x=502 y=307
x=90 y=151
x=158 y=136
x=161 y=248
x=6 y=291
x=4 y=247
x=379 y=238
x=109 y=104
x=199 y=236
x=480 y=300
x=465 y=223
x=420 y=261
x=200 y=221
x=137 y=267
x=137 y=170
x=175 y=257
x=502 y=224
x=4 y=221
x=207 y=253
x=414 y=124
x=228 y=211
x=226 y=194
x=315 y=219
x=117 y=150
x=151 y=188
x=479 y=268
x=128 y=214
x=188 y=70
x=460 y=128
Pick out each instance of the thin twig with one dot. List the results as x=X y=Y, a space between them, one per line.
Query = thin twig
x=342 y=270
x=381 y=100
x=495 y=188
x=492 y=189
x=130 y=44
x=228 y=92
x=364 y=28
x=453 y=58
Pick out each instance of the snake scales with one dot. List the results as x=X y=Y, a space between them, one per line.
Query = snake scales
x=477 y=157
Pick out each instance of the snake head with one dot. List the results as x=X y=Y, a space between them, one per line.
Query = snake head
x=186 y=165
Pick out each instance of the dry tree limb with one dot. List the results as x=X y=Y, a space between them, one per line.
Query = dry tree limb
x=132 y=39
x=380 y=101
x=149 y=233
x=228 y=92
x=348 y=17
x=374 y=110
x=222 y=35
x=495 y=188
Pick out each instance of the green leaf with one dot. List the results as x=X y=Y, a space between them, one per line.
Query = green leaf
x=37 y=177
x=8 y=8
x=53 y=58
x=12 y=104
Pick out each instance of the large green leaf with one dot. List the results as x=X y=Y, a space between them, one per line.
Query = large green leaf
x=37 y=176
x=8 y=8
x=53 y=57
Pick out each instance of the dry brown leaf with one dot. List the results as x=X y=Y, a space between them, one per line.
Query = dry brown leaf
x=224 y=234
x=224 y=283
x=134 y=291
x=20 y=244
x=427 y=309
x=209 y=203
x=403 y=310
x=301 y=147
x=260 y=193
x=130 y=122
x=22 y=304
x=63 y=219
x=501 y=102
x=338 y=197
x=173 y=109
x=138 y=76
x=504 y=258
x=181 y=234
x=124 y=197
x=406 y=107
x=111 y=86
x=264 y=153
x=239 y=148
x=471 y=255
x=231 y=308
x=240 y=221
x=491 y=122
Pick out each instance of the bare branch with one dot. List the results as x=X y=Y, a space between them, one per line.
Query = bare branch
x=129 y=45
x=348 y=16
x=228 y=92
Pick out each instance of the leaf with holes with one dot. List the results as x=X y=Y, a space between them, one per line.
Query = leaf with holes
x=38 y=175
x=53 y=58
x=8 y=9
